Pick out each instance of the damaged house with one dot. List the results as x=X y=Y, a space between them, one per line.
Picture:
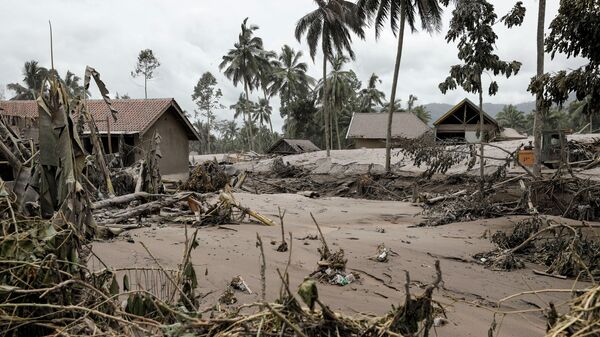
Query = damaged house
x=286 y=146
x=369 y=130
x=132 y=132
x=462 y=122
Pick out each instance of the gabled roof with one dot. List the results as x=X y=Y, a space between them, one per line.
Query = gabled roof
x=457 y=107
x=373 y=125
x=298 y=145
x=134 y=115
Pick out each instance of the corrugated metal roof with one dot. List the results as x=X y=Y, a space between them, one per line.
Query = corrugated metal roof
x=134 y=115
x=374 y=126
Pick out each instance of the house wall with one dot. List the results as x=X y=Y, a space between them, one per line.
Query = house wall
x=360 y=143
x=468 y=130
x=174 y=144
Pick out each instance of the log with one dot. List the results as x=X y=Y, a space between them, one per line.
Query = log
x=144 y=209
x=123 y=199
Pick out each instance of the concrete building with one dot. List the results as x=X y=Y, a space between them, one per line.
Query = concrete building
x=462 y=122
x=369 y=130
x=137 y=121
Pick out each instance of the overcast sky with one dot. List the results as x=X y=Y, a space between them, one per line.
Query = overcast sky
x=190 y=36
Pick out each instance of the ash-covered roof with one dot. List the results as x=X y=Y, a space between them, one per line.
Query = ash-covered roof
x=374 y=126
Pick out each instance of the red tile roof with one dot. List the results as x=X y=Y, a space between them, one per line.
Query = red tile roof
x=134 y=115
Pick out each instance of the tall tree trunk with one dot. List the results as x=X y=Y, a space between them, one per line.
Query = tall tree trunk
x=145 y=87
x=538 y=119
x=248 y=115
x=208 y=132
x=388 y=140
x=337 y=129
x=324 y=105
x=481 y=140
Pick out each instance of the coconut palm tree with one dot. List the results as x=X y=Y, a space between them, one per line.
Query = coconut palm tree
x=262 y=113
x=422 y=113
x=330 y=24
x=538 y=117
x=397 y=106
x=243 y=64
x=339 y=90
x=370 y=97
x=71 y=82
x=33 y=77
x=411 y=102
x=289 y=77
x=400 y=14
x=511 y=117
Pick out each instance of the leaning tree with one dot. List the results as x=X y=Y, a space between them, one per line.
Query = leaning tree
x=472 y=25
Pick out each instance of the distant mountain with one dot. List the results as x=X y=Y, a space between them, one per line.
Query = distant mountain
x=492 y=109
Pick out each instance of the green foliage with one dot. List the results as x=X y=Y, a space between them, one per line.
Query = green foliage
x=510 y=117
x=471 y=25
x=428 y=12
x=146 y=64
x=423 y=114
x=290 y=78
x=573 y=32
x=331 y=24
x=371 y=97
x=515 y=16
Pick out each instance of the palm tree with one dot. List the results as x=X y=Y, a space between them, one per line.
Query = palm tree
x=339 y=90
x=406 y=12
x=243 y=64
x=330 y=24
x=289 y=77
x=411 y=102
x=538 y=118
x=397 y=106
x=511 y=117
x=262 y=113
x=71 y=82
x=33 y=77
x=422 y=113
x=370 y=97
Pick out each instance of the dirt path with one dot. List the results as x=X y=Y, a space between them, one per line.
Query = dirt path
x=352 y=224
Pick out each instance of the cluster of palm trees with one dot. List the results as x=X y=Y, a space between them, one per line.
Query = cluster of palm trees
x=338 y=94
x=35 y=82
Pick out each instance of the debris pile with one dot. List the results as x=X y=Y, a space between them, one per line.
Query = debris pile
x=563 y=249
x=582 y=318
x=206 y=177
x=286 y=170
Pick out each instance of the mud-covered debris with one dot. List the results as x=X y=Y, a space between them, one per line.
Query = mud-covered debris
x=382 y=254
x=286 y=170
x=228 y=297
x=209 y=176
x=238 y=283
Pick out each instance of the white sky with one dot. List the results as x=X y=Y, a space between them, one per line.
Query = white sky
x=190 y=36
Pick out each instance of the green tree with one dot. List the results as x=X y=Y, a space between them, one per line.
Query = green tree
x=471 y=25
x=34 y=77
x=207 y=97
x=290 y=78
x=411 y=102
x=146 y=65
x=339 y=91
x=400 y=13
x=74 y=88
x=262 y=113
x=511 y=117
x=243 y=64
x=573 y=32
x=397 y=106
x=330 y=24
x=371 y=97
x=422 y=113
